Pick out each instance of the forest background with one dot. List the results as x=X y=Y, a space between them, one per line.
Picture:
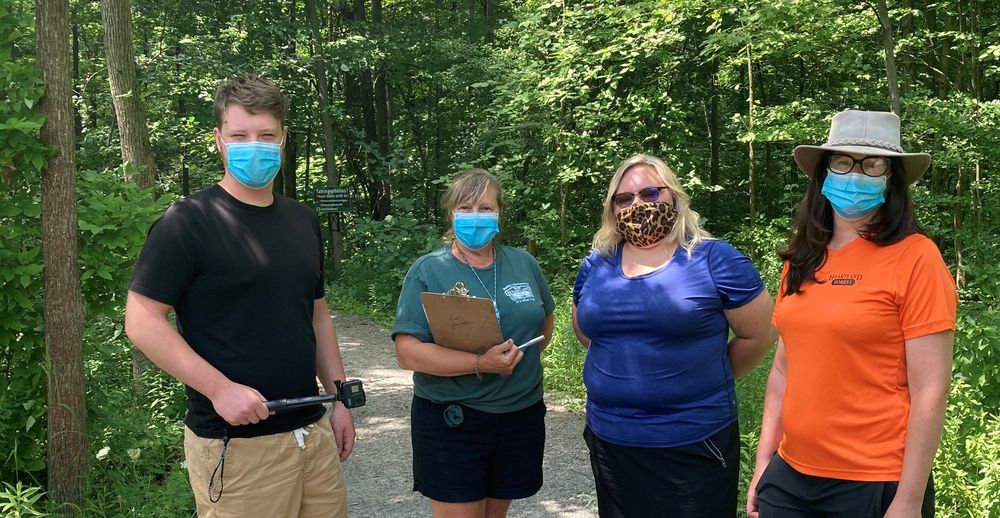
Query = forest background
x=106 y=117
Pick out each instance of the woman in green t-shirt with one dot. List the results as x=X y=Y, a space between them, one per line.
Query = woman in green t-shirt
x=477 y=420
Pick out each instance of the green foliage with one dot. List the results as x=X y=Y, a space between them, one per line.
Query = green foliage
x=382 y=252
x=114 y=216
x=134 y=472
x=967 y=470
x=21 y=153
x=20 y=501
x=563 y=357
x=22 y=348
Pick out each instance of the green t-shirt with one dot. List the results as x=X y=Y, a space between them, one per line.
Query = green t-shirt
x=523 y=300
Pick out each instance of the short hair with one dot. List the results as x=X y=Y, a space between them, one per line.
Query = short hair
x=255 y=94
x=686 y=230
x=470 y=184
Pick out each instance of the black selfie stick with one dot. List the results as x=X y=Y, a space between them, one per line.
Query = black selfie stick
x=351 y=393
x=281 y=404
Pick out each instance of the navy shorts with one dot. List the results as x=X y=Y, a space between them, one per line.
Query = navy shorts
x=697 y=480
x=783 y=492
x=465 y=455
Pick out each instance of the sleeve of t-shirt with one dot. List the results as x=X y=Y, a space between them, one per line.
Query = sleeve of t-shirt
x=410 y=317
x=320 y=290
x=547 y=301
x=736 y=279
x=925 y=291
x=581 y=278
x=779 y=295
x=167 y=262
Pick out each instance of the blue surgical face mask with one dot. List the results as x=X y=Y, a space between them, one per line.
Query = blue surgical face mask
x=253 y=164
x=853 y=195
x=475 y=230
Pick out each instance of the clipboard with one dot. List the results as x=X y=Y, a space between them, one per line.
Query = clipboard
x=462 y=322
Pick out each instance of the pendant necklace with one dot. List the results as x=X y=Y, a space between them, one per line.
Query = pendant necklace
x=496 y=273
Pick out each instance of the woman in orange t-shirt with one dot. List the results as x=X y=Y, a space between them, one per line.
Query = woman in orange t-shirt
x=865 y=313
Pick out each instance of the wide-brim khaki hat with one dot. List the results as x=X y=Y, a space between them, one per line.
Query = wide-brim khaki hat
x=865 y=133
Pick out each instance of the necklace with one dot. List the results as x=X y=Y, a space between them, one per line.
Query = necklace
x=496 y=273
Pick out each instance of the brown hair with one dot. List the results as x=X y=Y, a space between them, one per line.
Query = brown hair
x=255 y=94
x=806 y=252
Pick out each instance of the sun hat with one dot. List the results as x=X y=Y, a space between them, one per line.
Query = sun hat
x=866 y=133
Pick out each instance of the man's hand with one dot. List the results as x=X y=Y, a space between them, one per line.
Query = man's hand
x=239 y=404
x=501 y=358
x=342 y=422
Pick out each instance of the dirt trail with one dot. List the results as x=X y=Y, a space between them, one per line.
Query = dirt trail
x=379 y=474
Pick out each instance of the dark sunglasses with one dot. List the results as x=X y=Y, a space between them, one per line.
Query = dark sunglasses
x=648 y=195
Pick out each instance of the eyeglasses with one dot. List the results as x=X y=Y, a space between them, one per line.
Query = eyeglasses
x=871 y=166
x=648 y=195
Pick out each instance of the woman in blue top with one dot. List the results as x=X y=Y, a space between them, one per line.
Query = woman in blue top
x=654 y=303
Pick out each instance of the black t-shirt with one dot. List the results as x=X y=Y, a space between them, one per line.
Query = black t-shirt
x=242 y=280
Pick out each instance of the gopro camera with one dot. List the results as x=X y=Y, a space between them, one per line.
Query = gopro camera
x=351 y=393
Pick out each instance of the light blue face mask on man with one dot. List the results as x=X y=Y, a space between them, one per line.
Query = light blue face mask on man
x=853 y=195
x=253 y=164
x=475 y=230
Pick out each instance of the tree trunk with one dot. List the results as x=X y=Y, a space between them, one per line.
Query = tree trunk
x=63 y=311
x=714 y=174
x=77 y=117
x=289 y=165
x=956 y=219
x=750 y=173
x=882 y=11
x=383 y=126
x=329 y=163
x=906 y=29
x=132 y=128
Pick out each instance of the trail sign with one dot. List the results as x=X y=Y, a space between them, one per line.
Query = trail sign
x=333 y=199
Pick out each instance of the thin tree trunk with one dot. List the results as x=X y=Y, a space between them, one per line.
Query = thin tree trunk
x=714 y=174
x=889 y=45
x=956 y=231
x=383 y=125
x=290 y=164
x=133 y=131
x=750 y=172
x=77 y=117
x=329 y=163
x=64 y=313
x=905 y=30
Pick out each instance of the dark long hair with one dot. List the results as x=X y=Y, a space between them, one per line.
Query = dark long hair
x=806 y=252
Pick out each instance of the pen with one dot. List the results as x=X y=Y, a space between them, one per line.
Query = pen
x=531 y=342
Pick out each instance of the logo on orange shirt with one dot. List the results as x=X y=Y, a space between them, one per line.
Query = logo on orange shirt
x=844 y=279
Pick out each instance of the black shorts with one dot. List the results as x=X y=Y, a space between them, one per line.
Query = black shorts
x=465 y=455
x=696 y=480
x=783 y=492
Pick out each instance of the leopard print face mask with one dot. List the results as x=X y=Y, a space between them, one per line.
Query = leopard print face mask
x=645 y=224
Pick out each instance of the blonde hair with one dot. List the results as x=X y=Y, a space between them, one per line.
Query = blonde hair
x=686 y=231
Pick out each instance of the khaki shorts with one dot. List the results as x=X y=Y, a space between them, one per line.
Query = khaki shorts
x=270 y=475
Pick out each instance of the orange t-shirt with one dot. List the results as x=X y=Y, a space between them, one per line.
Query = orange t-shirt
x=847 y=399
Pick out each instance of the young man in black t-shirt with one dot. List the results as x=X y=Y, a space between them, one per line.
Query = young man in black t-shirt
x=243 y=271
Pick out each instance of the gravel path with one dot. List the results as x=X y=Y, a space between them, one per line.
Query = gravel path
x=379 y=472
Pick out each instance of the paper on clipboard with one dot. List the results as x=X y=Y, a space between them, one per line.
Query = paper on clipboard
x=462 y=322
